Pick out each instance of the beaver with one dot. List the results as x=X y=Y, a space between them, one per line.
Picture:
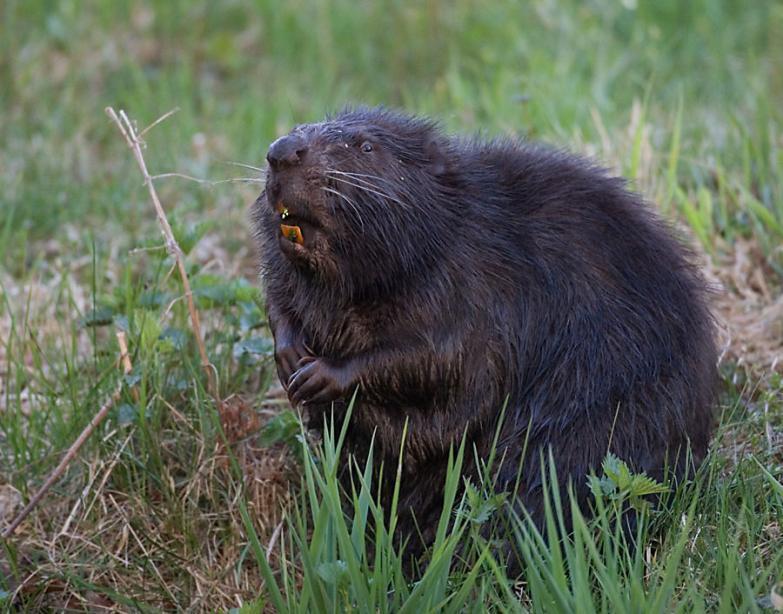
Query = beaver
x=455 y=280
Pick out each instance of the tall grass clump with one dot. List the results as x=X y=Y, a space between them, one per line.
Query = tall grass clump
x=340 y=553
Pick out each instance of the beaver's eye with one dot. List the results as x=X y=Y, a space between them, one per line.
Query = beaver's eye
x=366 y=147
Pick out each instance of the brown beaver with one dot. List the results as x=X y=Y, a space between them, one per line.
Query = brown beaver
x=449 y=277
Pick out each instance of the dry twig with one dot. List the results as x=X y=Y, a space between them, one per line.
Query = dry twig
x=133 y=139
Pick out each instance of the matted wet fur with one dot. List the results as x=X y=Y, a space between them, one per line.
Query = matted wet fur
x=445 y=276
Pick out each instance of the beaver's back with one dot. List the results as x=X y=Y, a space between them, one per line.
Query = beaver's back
x=601 y=312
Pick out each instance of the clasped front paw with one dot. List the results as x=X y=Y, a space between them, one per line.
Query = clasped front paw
x=317 y=380
x=288 y=352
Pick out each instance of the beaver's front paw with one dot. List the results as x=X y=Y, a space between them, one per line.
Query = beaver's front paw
x=290 y=348
x=317 y=380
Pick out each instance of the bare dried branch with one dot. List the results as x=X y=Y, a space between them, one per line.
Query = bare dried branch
x=132 y=138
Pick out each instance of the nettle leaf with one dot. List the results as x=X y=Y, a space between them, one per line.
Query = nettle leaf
x=126 y=414
x=211 y=290
x=603 y=487
x=187 y=235
x=489 y=506
x=253 y=350
x=133 y=378
x=619 y=484
x=177 y=383
x=173 y=340
x=283 y=428
x=99 y=316
x=121 y=322
x=214 y=290
x=203 y=280
x=153 y=299
x=250 y=316
x=480 y=505
x=617 y=471
x=643 y=485
x=245 y=292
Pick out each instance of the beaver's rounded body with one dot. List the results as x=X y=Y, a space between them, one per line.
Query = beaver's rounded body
x=448 y=278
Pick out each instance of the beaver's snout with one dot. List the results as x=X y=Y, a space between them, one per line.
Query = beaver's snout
x=288 y=150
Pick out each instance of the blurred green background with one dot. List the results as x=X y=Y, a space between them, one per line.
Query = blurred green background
x=706 y=72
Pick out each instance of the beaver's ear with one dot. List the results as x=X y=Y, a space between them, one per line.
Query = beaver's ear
x=437 y=154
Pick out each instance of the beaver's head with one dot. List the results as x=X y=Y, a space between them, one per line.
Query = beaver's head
x=359 y=191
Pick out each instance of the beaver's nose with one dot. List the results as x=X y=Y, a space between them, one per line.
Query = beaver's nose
x=286 y=151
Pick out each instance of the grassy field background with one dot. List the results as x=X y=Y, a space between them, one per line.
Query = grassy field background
x=683 y=99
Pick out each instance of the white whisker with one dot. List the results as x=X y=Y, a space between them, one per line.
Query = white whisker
x=240 y=180
x=349 y=201
x=373 y=190
x=206 y=182
x=243 y=165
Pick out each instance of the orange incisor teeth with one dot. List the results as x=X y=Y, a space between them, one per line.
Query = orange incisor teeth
x=292 y=233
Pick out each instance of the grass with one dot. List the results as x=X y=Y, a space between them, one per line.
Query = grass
x=173 y=504
x=594 y=571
